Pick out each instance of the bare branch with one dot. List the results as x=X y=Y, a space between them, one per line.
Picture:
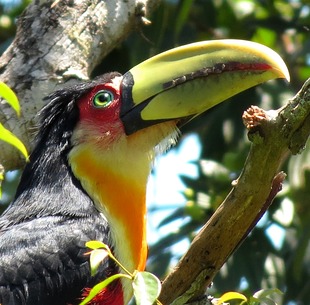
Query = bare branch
x=273 y=134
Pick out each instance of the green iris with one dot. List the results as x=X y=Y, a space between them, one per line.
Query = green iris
x=103 y=99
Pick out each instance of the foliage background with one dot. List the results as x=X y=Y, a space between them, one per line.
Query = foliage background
x=262 y=261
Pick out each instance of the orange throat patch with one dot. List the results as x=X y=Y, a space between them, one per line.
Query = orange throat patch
x=113 y=169
x=121 y=200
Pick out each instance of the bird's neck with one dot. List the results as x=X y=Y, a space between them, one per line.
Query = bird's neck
x=113 y=169
x=117 y=184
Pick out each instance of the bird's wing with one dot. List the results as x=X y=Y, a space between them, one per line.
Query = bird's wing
x=44 y=258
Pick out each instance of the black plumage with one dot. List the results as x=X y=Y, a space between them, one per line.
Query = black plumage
x=43 y=232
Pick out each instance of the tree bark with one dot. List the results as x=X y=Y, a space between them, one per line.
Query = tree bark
x=58 y=41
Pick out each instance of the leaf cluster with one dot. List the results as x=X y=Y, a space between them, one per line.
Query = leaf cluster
x=5 y=135
x=146 y=286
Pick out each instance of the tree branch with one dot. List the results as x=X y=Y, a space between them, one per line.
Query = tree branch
x=273 y=134
x=57 y=41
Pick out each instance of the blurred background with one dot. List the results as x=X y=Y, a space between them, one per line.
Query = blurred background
x=190 y=181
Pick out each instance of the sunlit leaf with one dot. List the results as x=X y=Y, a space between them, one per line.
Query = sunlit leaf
x=9 y=137
x=96 y=257
x=95 y=244
x=304 y=72
x=264 y=295
x=8 y=94
x=215 y=169
x=265 y=36
x=267 y=292
x=228 y=296
x=146 y=288
x=1 y=179
x=263 y=301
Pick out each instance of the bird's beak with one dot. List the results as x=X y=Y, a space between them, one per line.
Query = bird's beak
x=186 y=81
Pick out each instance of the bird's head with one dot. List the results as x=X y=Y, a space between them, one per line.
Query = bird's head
x=165 y=91
x=121 y=121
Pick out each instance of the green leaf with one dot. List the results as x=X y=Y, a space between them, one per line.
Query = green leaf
x=267 y=301
x=146 y=287
x=8 y=94
x=264 y=296
x=96 y=257
x=267 y=292
x=228 y=296
x=265 y=36
x=99 y=287
x=7 y=136
x=95 y=244
x=1 y=179
x=253 y=301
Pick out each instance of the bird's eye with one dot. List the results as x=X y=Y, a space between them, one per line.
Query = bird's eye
x=103 y=99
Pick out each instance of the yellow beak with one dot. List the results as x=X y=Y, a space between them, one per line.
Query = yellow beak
x=186 y=81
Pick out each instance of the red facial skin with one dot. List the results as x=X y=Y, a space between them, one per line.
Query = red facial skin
x=106 y=121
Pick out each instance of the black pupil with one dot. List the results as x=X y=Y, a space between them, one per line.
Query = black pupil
x=104 y=97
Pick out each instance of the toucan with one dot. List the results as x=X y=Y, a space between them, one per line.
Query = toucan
x=87 y=175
